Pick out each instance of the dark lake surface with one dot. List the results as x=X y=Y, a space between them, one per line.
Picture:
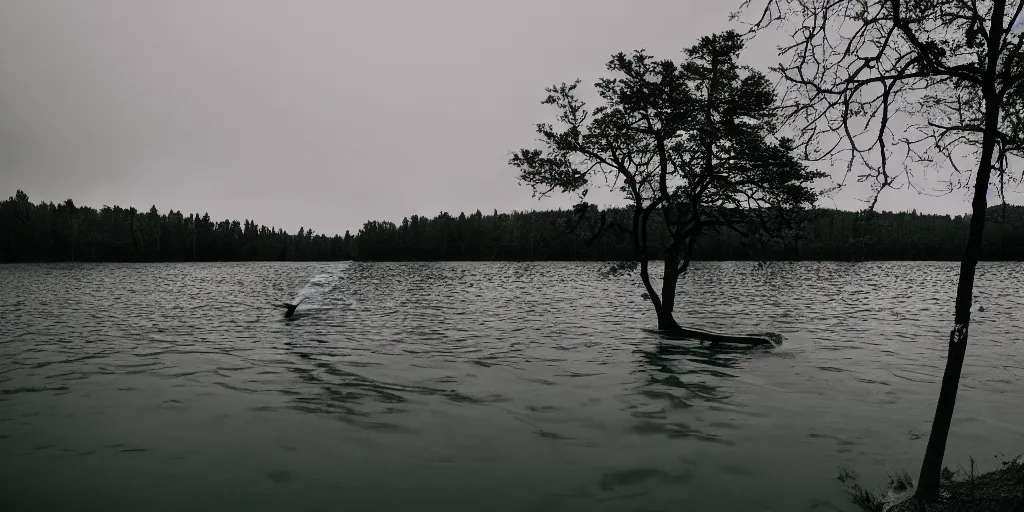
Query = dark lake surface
x=486 y=386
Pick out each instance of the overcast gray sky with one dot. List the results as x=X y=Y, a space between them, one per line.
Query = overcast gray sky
x=313 y=113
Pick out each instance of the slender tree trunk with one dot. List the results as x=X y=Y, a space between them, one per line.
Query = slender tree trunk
x=931 y=468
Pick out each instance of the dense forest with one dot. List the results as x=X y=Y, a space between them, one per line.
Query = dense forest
x=65 y=232
x=565 y=235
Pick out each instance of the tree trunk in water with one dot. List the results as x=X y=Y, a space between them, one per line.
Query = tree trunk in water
x=931 y=468
x=665 y=320
x=668 y=293
x=664 y=305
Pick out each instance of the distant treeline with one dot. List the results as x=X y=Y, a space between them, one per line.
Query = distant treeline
x=822 y=235
x=65 y=232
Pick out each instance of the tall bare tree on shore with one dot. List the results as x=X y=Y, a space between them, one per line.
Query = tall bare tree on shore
x=894 y=85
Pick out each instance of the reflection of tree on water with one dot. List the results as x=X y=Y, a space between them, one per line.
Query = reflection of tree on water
x=687 y=366
x=681 y=375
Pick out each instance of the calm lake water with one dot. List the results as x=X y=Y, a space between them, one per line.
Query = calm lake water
x=485 y=386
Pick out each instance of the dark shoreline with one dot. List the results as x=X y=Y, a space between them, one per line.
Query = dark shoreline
x=999 y=490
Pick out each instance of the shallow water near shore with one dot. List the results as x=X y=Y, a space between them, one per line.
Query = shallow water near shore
x=496 y=386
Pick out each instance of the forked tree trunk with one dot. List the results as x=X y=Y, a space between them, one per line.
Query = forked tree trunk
x=668 y=294
x=931 y=468
x=665 y=303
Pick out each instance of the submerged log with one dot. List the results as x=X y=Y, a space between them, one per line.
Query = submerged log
x=753 y=340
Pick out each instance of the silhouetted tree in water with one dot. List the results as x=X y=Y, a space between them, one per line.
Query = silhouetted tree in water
x=937 y=81
x=692 y=144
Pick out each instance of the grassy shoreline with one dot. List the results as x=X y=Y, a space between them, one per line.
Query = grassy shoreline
x=999 y=490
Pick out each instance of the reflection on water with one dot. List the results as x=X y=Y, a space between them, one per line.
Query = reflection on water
x=462 y=386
